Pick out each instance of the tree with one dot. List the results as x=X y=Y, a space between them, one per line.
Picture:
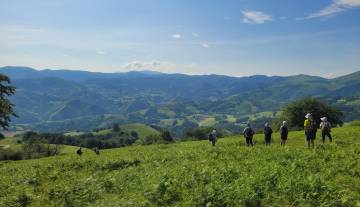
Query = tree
x=166 y=136
x=116 y=128
x=134 y=134
x=6 y=107
x=294 y=112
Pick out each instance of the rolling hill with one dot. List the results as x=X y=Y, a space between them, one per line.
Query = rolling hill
x=141 y=129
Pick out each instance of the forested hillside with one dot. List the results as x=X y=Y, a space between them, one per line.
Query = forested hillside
x=63 y=100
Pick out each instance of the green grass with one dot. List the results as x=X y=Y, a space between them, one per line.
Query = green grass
x=193 y=174
x=208 y=121
x=74 y=133
x=142 y=130
x=104 y=132
x=10 y=142
x=267 y=114
x=231 y=118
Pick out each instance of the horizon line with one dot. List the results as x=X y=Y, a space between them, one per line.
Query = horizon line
x=169 y=73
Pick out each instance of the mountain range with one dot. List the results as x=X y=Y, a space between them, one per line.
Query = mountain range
x=63 y=100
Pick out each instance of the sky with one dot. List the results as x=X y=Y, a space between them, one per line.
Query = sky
x=228 y=37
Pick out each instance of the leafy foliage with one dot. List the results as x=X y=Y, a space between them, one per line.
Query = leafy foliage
x=295 y=112
x=6 y=107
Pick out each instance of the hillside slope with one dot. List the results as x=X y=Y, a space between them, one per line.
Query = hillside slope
x=193 y=174
x=141 y=129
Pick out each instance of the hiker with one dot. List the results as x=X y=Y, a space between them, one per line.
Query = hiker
x=310 y=129
x=267 y=132
x=248 y=135
x=213 y=137
x=325 y=127
x=79 y=151
x=283 y=133
x=96 y=150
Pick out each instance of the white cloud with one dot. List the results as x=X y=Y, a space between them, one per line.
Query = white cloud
x=176 y=36
x=330 y=75
x=335 y=7
x=255 y=17
x=205 y=45
x=163 y=66
x=195 y=35
x=101 y=52
x=141 y=65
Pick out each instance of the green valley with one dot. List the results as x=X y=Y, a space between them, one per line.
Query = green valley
x=65 y=100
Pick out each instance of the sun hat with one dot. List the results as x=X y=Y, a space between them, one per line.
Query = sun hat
x=308 y=115
x=284 y=122
x=323 y=119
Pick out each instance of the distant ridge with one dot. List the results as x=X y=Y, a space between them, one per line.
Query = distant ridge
x=22 y=72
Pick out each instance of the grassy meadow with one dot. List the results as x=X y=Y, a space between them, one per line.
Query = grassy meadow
x=193 y=174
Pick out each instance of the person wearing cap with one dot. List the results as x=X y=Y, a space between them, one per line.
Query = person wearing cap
x=325 y=127
x=248 y=135
x=283 y=133
x=267 y=132
x=310 y=130
x=213 y=137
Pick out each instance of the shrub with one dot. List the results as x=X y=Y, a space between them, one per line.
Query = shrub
x=166 y=136
x=355 y=123
x=9 y=154
x=150 y=139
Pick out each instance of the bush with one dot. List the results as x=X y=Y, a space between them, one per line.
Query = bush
x=150 y=139
x=166 y=136
x=355 y=123
x=9 y=154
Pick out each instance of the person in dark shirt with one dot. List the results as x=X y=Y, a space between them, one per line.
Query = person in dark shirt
x=284 y=133
x=267 y=132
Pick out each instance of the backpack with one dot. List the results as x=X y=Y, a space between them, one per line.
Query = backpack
x=249 y=132
x=210 y=136
x=313 y=127
x=267 y=130
x=283 y=130
x=326 y=126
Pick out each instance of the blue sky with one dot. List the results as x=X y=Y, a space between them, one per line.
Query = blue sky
x=230 y=37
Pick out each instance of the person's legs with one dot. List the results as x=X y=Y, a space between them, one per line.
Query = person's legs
x=247 y=141
x=267 y=140
x=251 y=141
x=307 y=138
x=213 y=141
x=323 y=133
